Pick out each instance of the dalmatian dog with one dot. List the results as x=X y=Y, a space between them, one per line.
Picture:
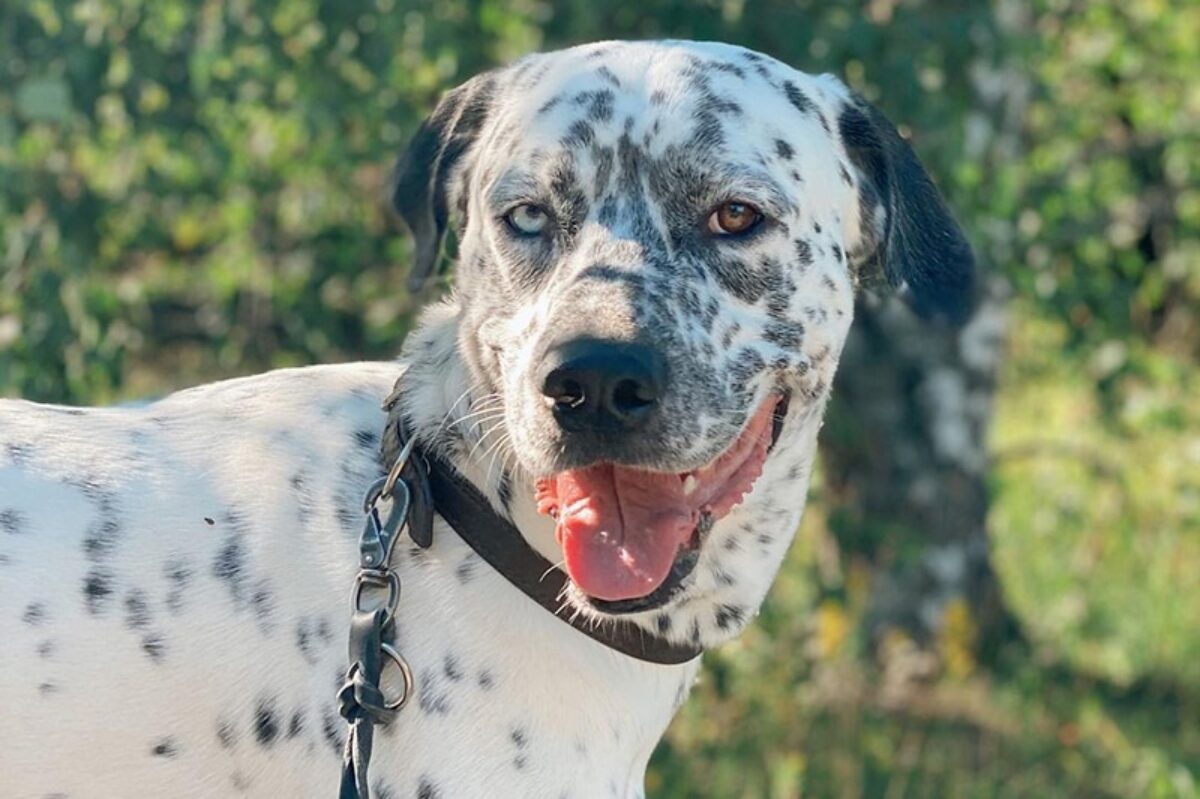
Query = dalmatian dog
x=658 y=249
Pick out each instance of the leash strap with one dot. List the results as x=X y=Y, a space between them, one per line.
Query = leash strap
x=374 y=602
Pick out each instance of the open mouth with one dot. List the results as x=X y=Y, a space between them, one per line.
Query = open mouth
x=630 y=537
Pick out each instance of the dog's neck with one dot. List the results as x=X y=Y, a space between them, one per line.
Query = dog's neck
x=453 y=416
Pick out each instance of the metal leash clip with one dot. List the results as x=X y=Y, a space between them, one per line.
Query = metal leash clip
x=374 y=602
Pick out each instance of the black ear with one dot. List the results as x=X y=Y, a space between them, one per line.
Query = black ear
x=922 y=249
x=421 y=180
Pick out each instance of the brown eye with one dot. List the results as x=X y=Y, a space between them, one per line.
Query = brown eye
x=733 y=218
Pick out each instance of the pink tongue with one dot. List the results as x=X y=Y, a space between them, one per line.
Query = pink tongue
x=621 y=528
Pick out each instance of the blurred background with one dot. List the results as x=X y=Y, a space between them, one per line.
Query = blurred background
x=996 y=589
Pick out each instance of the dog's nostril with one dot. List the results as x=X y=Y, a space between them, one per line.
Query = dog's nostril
x=631 y=396
x=569 y=394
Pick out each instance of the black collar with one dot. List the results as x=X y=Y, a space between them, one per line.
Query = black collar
x=436 y=485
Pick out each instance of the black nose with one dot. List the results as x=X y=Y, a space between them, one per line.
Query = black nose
x=602 y=385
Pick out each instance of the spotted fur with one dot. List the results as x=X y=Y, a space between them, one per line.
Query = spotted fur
x=173 y=577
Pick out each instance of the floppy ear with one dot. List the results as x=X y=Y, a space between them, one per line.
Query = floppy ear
x=923 y=251
x=421 y=182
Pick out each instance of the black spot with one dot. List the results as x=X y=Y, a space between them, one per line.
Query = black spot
x=504 y=490
x=226 y=735
x=167 y=747
x=486 y=680
x=796 y=97
x=599 y=104
x=101 y=539
x=784 y=334
x=296 y=724
x=209 y=521
x=266 y=724
x=304 y=640
x=725 y=66
x=47 y=688
x=658 y=97
x=13 y=521
x=579 y=134
x=331 y=731
x=845 y=174
x=465 y=570
x=178 y=575
x=45 y=649
x=784 y=150
x=229 y=567
x=137 y=612
x=262 y=603
x=428 y=789
x=451 y=668
x=520 y=739
x=324 y=632
x=154 y=647
x=432 y=698
x=97 y=590
x=35 y=614
x=729 y=615
x=367 y=439
x=837 y=253
x=663 y=623
x=607 y=75
x=804 y=252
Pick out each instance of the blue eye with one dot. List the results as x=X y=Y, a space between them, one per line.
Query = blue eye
x=527 y=220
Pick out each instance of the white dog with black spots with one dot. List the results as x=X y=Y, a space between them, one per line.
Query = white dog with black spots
x=659 y=244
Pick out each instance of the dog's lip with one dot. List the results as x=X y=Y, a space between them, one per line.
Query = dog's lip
x=687 y=555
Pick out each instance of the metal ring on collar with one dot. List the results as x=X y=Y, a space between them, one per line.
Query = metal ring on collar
x=405 y=672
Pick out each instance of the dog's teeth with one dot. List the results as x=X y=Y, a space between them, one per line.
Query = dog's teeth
x=689 y=484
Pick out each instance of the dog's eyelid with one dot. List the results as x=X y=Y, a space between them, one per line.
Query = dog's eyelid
x=761 y=192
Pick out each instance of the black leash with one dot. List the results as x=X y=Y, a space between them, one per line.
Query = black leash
x=374 y=603
x=416 y=484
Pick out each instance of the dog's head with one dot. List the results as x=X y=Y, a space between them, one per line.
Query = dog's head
x=658 y=248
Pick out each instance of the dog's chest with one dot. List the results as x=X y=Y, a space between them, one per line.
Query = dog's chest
x=174 y=604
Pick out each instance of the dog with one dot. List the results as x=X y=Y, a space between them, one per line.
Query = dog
x=658 y=250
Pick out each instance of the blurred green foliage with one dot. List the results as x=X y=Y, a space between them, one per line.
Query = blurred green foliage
x=194 y=189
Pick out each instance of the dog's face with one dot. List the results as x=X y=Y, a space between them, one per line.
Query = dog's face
x=658 y=249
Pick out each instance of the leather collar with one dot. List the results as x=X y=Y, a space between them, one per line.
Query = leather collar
x=436 y=485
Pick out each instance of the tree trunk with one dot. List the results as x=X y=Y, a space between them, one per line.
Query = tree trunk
x=905 y=465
